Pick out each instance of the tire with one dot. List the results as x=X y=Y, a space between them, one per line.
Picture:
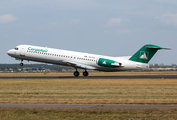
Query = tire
x=76 y=73
x=85 y=73
x=21 y=64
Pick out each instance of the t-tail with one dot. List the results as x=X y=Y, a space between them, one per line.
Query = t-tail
x=145 y=54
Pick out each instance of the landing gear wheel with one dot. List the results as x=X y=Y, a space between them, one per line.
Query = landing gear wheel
x=85 y=73
x=21 y=64
x=76 y=73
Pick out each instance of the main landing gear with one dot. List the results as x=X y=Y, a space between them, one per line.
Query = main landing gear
x=21 y=64
x=85 y=73
x=76 y=73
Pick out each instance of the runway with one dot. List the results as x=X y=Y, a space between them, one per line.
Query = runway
x=88 y=106
x=97 y=77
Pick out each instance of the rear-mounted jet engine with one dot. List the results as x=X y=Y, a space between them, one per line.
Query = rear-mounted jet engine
x=108 y=63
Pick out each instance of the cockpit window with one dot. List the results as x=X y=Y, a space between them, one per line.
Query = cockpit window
x=16 y=48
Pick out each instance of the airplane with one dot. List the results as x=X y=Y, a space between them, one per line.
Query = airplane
x=85 y=61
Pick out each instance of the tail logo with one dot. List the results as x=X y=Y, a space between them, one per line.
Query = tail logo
x=144 y=55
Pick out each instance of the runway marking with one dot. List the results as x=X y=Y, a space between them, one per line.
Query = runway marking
x=87 y=106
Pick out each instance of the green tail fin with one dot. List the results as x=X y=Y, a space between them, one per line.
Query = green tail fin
x=145 y=54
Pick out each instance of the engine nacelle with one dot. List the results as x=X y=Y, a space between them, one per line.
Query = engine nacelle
x=108 y=63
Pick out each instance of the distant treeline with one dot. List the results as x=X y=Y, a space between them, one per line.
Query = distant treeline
x=15 y=67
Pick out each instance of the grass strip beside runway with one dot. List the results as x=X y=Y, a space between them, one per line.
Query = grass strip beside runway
x=86 y=114
x=88 y=91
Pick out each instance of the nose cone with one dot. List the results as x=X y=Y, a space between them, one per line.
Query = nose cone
x=10 y=52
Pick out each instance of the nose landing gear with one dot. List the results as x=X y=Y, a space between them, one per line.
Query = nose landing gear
x=21 y=64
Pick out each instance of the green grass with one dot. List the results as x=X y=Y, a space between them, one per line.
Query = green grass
x=86 y=114
x=88 y=91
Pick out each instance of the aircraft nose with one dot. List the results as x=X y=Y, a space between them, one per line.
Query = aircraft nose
x=10 y=52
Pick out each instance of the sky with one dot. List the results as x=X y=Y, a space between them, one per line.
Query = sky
x=106 y=27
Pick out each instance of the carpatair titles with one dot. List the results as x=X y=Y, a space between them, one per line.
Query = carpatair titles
x=37 y=50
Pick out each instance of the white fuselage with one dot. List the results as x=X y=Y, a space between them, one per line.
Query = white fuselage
x=71 y=58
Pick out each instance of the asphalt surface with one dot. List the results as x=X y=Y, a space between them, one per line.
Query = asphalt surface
x=87 y=106
x=98 y=77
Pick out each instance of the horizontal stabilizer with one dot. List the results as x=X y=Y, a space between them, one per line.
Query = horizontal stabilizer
x=167 y=48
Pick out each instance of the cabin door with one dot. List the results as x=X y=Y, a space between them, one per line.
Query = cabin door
x=22 y=51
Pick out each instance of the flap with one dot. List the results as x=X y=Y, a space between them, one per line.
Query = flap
x=78 y=65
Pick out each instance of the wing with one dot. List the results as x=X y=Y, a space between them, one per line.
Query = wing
x=78 y=65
